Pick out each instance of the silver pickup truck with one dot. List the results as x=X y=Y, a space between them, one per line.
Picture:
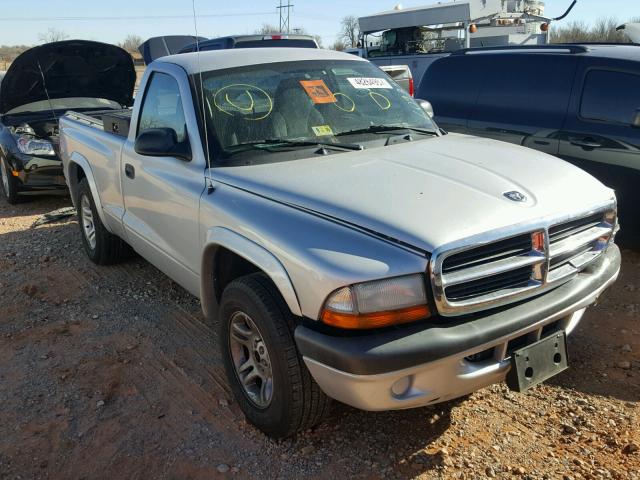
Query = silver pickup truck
x=344 y=246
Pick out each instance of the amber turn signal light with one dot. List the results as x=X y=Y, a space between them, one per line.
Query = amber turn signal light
x=354 y=321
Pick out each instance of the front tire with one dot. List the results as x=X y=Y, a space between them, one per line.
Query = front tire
x=9 y=183
x=268 y=377
x=101 y=246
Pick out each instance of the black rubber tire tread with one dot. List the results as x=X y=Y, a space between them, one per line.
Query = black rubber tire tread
x=11 y=196
x=305 y=403
x=110 y=249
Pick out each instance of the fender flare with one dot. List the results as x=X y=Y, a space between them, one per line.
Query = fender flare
x=72 y=180
x=218 y=237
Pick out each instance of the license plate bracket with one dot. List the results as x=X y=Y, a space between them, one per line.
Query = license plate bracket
x=538 y=362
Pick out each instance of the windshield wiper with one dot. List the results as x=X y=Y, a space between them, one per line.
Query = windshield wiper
x=387 y=128
x=271 y=143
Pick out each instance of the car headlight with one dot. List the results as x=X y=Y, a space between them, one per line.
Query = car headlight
x=377 y=304
x=33 y=146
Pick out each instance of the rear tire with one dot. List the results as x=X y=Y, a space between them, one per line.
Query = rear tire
x=277 y=393
x=101 y=246
x=9 y=183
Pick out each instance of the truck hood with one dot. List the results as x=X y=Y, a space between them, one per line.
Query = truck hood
x=72 y=68
x=427 y=193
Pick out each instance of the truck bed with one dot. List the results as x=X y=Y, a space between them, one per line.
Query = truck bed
x=111 y=121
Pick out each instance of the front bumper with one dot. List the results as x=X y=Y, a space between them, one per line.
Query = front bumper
x=433 y=362
x=38 y=173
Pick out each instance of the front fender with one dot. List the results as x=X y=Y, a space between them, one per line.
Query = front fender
x=218 y=237
x=70 y=173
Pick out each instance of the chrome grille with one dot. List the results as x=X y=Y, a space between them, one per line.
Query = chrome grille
x=573 y=245
x=487 y=253
x=485 y=273
x=513 y=279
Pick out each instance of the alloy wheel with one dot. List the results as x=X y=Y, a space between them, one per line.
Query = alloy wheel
x=88 y=226
x=5 y=176
x=251 y=361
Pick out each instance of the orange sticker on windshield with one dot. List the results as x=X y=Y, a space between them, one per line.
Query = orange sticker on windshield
x=318 y=91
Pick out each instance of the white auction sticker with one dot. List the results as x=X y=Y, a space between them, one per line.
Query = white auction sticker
x=362 y=82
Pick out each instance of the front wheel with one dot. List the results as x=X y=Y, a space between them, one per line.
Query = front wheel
x=267 y=375
x=101 y=246
x=9 y=183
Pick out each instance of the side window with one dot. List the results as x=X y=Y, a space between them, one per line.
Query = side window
x=610 y=96
x=451 y=85
x=162 y=106
x=527 y=89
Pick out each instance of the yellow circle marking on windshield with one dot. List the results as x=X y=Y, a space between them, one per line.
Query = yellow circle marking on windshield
x=348 y=110
x=239 y=109
x=384 y=106
x=242 y=109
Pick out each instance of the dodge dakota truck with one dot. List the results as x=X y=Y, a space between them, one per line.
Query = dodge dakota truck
x=342 y=244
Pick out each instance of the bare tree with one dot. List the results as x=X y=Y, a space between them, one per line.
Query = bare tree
x=267 y=29
x=603 y=30
x=131 y=43
x=338 y=45
x=52 y=35
x=349 y=31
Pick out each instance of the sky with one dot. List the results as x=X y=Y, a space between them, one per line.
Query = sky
x=111 y=21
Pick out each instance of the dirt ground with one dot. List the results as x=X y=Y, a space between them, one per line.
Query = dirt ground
x=111 y=372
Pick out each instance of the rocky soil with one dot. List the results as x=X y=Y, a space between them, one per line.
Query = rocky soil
x=111 y=372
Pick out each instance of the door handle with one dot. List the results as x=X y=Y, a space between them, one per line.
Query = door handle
x=585 y=142
x=129 y=171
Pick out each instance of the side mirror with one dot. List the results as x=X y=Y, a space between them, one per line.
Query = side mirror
x=636 y=119
x=426 y=106
x=162 y=142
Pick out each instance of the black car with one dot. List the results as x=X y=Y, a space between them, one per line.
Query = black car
x=578 y=102
x=39 y=87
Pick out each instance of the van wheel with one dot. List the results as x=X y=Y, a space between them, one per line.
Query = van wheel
x=9 y=183
x=268 y=377
x=101 y=246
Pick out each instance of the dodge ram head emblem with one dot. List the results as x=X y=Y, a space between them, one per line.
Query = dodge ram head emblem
x=515 y=196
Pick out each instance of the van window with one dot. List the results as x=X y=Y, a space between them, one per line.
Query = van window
x=610 y=96
x=531 y=90
x=451 y=84
x=162 y=107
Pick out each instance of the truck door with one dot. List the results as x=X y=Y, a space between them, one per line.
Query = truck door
x=161 y=194
x=599 y=135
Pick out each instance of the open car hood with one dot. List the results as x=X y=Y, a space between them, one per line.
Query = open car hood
x=158 y=47
x=72 y=68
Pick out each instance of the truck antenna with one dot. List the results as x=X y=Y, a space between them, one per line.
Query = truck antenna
x=210 y=187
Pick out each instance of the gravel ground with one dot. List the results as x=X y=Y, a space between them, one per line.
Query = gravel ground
x=111 y=372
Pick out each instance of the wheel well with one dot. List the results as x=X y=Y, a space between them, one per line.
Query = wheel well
x=79 y=173
x=227 y=267
x=76 y=174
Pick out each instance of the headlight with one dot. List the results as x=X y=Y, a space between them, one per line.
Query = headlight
x=32 y=146
x=377 y=304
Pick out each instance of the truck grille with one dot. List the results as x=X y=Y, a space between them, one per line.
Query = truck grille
x=509 y=269
x=574 y=244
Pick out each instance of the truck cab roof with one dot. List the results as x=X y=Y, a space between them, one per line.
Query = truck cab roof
x=273 y=40
x=222 y=59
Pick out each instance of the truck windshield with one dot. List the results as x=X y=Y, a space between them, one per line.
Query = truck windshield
x=298 y=103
